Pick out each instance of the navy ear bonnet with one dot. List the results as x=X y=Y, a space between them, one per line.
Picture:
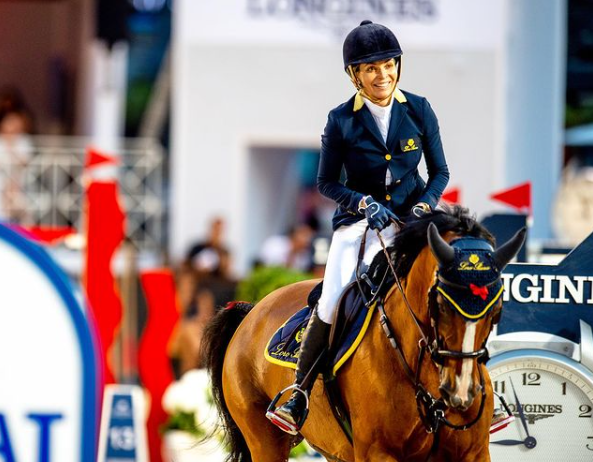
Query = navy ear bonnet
x=471 y=283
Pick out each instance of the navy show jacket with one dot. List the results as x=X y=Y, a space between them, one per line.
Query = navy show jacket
x=352 y=141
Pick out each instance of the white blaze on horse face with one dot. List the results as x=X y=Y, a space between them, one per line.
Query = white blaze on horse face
x=464 y=380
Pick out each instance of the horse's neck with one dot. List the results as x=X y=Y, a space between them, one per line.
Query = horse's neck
x=416 y=287
x=417 y=284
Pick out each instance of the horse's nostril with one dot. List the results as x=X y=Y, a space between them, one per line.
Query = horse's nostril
x=446 y=391
x=456 y=401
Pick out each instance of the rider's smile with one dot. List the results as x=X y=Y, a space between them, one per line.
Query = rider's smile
x=378 y=79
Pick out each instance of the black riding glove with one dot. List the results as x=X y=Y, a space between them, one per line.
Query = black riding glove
x=421 y=209
x=377 y=215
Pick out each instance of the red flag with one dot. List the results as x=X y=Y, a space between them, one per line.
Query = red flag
x=517 y=197
x=154 y=365
x=105 y=232
x=452 y=196
x=95 y=158
x=48 y=234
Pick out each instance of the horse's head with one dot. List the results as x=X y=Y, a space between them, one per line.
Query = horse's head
x=464 y=303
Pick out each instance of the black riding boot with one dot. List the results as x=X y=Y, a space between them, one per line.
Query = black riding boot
x=291 y=415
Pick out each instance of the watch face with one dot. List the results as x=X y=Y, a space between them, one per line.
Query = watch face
x=551 y=397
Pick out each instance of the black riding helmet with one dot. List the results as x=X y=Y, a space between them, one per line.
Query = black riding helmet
x=370 y=42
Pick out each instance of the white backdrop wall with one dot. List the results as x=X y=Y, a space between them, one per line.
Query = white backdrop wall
x=244 y=82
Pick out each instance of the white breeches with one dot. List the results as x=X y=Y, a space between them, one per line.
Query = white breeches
x=342 y=259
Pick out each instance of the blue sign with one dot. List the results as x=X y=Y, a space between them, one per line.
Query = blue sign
x=121 y=442
x=550 y=298
x=123 y=436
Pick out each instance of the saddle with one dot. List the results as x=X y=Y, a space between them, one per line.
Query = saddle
x=351 y=321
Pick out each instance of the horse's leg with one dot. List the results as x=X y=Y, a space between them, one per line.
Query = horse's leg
x=371 y=454
x=247 y=405
x=475 y=454
x=460 y=446
x=481 y=456
x=266 y=442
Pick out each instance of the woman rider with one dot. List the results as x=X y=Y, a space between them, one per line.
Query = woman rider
x=378 y=137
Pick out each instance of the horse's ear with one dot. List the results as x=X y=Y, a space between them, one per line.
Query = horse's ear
x=506 y=252
x=441 y=250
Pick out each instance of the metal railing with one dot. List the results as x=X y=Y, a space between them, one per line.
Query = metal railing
x=44 y=185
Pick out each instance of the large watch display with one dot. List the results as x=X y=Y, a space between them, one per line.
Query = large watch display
x=551 y=396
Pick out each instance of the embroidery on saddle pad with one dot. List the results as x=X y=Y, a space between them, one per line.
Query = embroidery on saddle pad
x=283 y=348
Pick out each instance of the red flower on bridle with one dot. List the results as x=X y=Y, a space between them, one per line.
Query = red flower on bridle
x=481 y=292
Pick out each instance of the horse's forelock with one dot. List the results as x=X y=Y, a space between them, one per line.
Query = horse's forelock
x=410 y=240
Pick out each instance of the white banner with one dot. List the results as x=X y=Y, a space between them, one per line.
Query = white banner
x=440 y=24
x=48 y=377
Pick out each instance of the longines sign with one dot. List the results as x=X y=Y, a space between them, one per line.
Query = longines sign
x=438 y=24
x=550 y=298
x=548 y=288
x=353 y=10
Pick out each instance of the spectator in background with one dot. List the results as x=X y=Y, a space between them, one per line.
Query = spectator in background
x=210 y=256
x=16 y=150
x=185 y=347
x=292 y=250
x=11 y=100
x=208 y=265
x=199 y=296
x=204 y=284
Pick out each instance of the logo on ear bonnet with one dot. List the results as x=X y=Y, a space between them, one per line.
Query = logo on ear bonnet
x=473 y=263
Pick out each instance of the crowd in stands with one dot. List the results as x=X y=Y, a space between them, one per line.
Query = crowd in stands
x=205 y=283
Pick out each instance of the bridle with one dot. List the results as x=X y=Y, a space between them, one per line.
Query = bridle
x=430 y=409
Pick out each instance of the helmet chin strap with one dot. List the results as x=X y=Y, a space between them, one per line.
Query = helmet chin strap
x=357 y=83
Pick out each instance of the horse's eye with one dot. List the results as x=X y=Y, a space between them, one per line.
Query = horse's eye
x=441 y=305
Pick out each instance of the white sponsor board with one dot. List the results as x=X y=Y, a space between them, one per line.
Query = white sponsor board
x=435 y=24
x=48 y=379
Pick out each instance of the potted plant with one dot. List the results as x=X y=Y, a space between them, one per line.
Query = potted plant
x=190 y=432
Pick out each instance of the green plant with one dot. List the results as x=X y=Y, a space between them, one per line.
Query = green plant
x=187 y=404
x=184 y=421
x=578 y=115
x=265 y=280
x=299 y=450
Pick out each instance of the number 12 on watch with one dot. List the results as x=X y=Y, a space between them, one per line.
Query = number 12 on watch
x=551 y=397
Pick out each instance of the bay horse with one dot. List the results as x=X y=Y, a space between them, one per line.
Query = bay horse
x=393 y=419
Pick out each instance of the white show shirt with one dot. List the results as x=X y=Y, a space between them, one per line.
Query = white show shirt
x=382 y=116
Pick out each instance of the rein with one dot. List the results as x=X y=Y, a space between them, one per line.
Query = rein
x=430 y=409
